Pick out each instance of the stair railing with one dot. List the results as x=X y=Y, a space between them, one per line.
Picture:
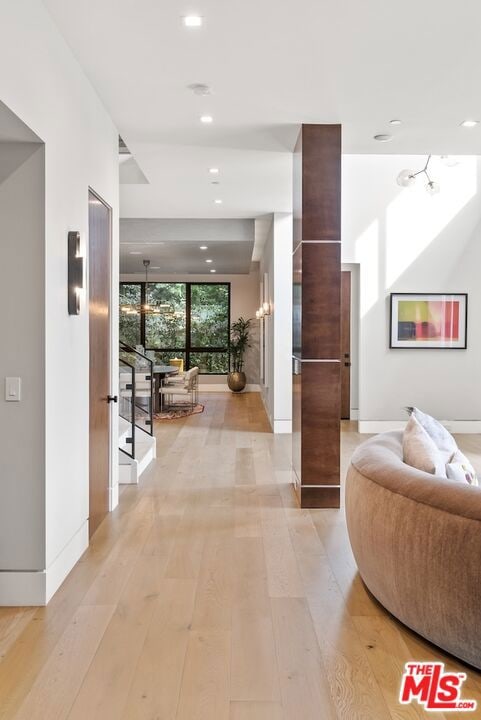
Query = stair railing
x=127 y=402
x=140 y=383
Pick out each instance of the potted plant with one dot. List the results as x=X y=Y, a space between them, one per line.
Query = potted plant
x=239 y=342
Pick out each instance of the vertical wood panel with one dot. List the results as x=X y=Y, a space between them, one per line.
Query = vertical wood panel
x=99 y=333
x=320 y=423
x=317 y=309
x=321 y=299
x=321 y=182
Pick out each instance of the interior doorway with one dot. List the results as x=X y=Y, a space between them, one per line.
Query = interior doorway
x=346 y=345
x=100 y=234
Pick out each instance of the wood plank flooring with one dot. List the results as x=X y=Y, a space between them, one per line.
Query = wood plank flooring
x=209 y=595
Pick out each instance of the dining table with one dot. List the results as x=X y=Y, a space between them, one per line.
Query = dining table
x=160 y=372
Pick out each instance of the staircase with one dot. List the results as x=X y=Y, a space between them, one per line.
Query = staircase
x=137 y=444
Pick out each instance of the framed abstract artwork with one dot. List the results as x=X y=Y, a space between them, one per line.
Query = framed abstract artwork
x=428 y=320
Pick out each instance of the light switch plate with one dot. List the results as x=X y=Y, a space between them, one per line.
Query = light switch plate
x=13 y=389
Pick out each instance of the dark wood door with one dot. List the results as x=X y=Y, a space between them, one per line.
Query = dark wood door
x=99 y=311
x=345 y=345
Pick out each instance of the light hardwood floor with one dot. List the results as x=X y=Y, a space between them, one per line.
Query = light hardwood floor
x=208 y=595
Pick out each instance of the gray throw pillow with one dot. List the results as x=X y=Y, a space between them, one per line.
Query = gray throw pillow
x=420 y=451
x=441 y=437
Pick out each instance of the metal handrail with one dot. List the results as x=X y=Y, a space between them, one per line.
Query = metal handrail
x=131 y=440
x=124 y=347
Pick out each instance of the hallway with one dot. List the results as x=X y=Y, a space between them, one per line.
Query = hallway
x=208 y=595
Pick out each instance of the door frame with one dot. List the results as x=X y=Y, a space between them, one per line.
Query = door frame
x=346 y=360
x=354 y=269
x=112 y=415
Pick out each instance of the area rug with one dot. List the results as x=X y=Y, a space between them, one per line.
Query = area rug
x=179 y=412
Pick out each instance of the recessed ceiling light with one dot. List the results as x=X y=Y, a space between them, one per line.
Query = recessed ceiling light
x=214 y=171
x=218 y=202
x=383 y=138
x=213 y=270
x=208 y=261
x=192 y=21
x=200 y=89
x=206 y=119
x=395 y=122
x=203 y=247
x=469 y=123
x=135 y=252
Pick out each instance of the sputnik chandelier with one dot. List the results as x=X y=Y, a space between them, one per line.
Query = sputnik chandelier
x=406 y=178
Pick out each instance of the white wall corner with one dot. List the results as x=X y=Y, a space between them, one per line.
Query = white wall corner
x=114 y=496
x=32 y=588
x=65 y=561
x=266 y=408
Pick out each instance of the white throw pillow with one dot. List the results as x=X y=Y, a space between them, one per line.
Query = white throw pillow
x=420 y=451
x=441 y=437
x=461 y=470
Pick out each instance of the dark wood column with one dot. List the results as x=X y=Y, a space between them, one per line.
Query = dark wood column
x=317 y=315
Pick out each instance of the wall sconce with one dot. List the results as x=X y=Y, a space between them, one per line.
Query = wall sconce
x=75 y=273
x=263 y=311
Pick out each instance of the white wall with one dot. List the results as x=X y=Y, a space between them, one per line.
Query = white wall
x=22 y=250
x=41 y=82
x=276 y=267
x=408 y=241
x=244 y=302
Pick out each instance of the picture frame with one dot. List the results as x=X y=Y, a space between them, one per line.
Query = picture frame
x=428 y=321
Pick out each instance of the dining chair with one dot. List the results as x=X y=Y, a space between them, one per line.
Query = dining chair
x=186 y=386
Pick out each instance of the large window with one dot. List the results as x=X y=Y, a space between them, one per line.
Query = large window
x=194 y=325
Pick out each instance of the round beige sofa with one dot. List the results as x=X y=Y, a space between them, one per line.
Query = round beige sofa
x=417 y=543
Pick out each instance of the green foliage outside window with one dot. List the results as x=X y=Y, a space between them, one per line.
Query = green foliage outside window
x=201 y=339
x=166 y=331
x=129 y=324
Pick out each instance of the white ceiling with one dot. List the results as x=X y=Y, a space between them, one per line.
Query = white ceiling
x=272 y=64
x=173 y=246
x=251 y=182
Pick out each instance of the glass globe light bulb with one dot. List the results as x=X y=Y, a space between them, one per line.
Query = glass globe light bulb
x=406 y=178
x=449 y=160
x=432 y=187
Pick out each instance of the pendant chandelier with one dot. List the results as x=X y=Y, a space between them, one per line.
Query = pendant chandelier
x=406 y=178
x=147 y=308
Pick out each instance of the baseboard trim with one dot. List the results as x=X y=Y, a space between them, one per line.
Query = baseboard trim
x=282 y=427
x=113 y=497
x=36 y=587
x=373 y=427
x=223 y=388
x=18 y=589
x=65 y=561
